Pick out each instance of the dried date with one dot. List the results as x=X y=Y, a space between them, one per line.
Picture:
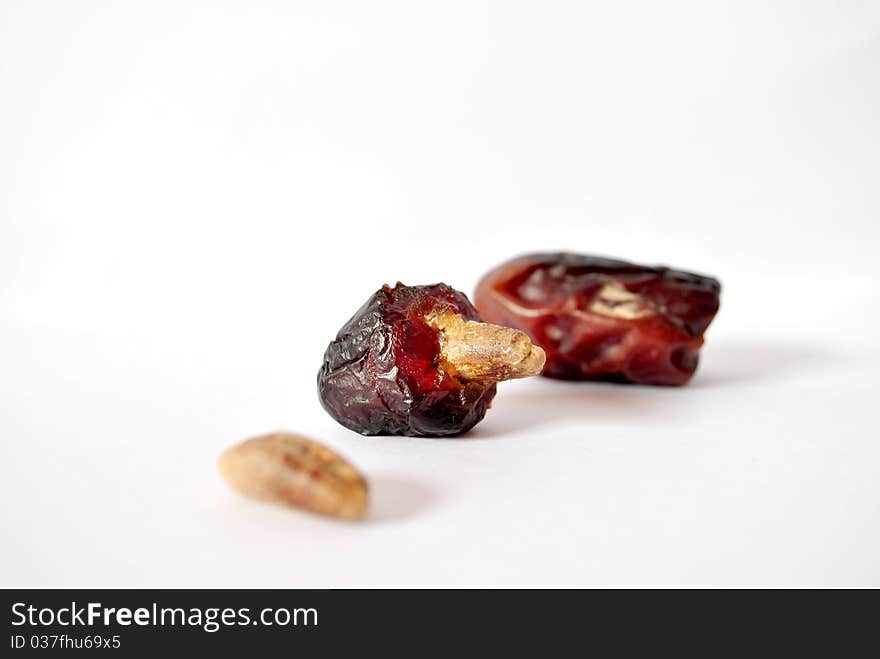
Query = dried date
x=416 y=360
x=604 y=319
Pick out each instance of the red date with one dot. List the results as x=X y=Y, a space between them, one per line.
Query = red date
x=416 y=360
x=604 y=319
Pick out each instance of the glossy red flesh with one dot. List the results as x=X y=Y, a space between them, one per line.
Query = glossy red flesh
x=603 y=319
x=382 y=373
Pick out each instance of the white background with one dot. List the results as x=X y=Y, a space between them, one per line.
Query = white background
x=195 y=196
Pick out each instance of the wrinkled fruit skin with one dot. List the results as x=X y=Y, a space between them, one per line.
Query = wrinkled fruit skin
x=603 y=319
x=382 y=376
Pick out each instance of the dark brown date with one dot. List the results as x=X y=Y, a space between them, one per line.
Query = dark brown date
x=415 y=360
x=603 y=319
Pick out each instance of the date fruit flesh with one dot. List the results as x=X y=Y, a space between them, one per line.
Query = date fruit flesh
x=603 y=319
x=417 y=361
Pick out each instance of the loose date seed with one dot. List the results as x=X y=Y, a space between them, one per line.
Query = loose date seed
x=295 y=471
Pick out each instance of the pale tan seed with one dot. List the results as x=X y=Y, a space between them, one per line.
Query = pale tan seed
x=615 y=301
x=295 y=471
x=484 y=352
